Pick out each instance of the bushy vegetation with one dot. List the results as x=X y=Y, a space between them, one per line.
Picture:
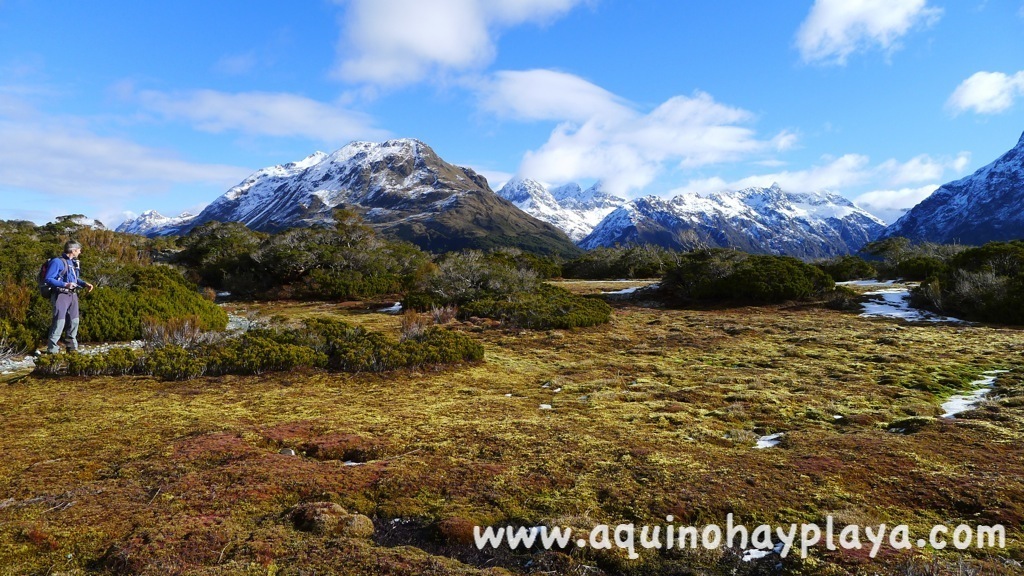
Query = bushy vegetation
x=321 y=343
x=727 y=275
x=495 y=285
x=129 y=287
x=645 y=261
x=984 y=283
x=897 y=257
x=546 y=307
x=846 y=268
x=348 y=260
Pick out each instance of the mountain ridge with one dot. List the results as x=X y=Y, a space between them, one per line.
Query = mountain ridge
x=400 y=187
x=984 y=206
x=756 y=220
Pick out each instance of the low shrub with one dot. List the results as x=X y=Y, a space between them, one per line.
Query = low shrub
x=984 y=283
x=16 y=338
x=172 y=363
x=116 y=362
x=255 y=354
x=728 y=275
x=414 y=325
x=322 y=343
x=546 y=307
x=180 y=331
x=846 y=268
x=644 y=261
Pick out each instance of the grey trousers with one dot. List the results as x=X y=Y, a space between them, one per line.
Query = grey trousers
x=65 y=313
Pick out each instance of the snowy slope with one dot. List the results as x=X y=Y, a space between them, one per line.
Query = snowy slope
x=401 y=187
x=152 y=223
x=987 y=205
x=571 y=209
x=759 y=220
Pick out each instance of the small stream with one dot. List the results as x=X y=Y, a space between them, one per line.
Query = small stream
x=964 y=402
x=891 y=300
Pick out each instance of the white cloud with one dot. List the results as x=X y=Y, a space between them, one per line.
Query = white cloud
x=549 y=95
x=58 y=165
x=922 y=168
x=395 y=42
x=889 y=205
x=987 y=93
x=602 y=136
x=847 y=170
x=495 y=178
x=835 y=29
x=264 y=114
x=51 y=157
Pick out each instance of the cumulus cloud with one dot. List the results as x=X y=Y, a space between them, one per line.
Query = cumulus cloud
x=835 y=29
x=847 y=170
x=922 y=168
x=549 y=95
x=395 y=42
x=263 y=114
x=889 y=205
x=987 y=93
x=54 y=157
x=602 y=136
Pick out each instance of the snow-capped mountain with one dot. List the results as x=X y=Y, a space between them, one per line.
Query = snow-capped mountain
x=401 y=187
x=573 y=210
x=985 y=206
x=153 y=221
x=757 y=220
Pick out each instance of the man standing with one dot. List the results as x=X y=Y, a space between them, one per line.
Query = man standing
x=62 y=275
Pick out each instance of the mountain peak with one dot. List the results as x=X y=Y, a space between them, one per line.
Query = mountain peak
x=756 y=219
x=400 y=187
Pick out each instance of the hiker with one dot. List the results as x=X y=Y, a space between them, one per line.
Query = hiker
x=63 y=276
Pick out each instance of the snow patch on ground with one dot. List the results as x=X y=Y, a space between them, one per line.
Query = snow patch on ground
x=964 y=402
x=27 y=362
x=895 y=303
x=769 y=441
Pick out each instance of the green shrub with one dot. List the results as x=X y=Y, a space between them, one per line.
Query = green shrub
x=256 y=354
x=644 y=261
x=157 y=292
x=116 y=362
x=546 y=307
x=16 y=337
x=322 y=343
x=173 y=363
x=984 y=283
x=919 y=268
x=846 y=268
x=728 y=275
x=775 y=279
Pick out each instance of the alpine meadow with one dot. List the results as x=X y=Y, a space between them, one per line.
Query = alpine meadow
x=512 y=287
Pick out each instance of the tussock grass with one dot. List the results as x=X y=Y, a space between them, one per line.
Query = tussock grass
x=655 y=413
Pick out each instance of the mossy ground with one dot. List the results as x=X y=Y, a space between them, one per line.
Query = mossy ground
x=653 y=414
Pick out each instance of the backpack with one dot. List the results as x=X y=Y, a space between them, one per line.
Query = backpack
x=45 y=289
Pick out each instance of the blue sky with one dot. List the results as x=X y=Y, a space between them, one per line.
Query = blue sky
x=116 y=107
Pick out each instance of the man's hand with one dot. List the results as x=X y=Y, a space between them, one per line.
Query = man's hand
x=89 y=286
